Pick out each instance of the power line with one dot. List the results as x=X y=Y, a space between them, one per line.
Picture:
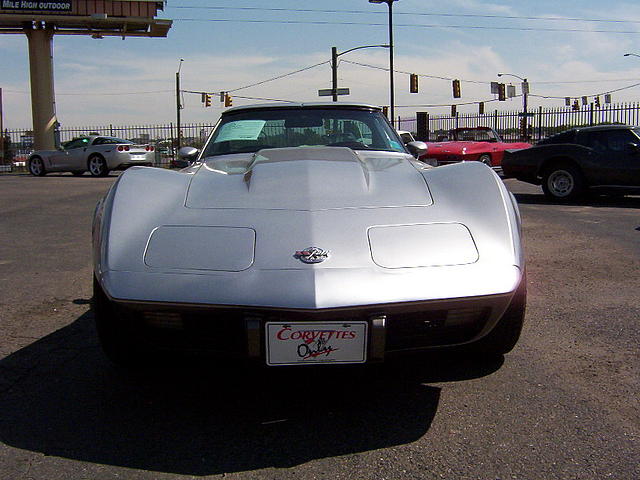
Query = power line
x=413 y=14
x=279 y=76
x=421 y=25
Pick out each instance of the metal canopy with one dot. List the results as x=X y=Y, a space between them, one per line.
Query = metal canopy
x=97 y=25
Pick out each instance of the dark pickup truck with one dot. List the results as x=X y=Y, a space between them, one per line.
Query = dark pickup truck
x=566 y=165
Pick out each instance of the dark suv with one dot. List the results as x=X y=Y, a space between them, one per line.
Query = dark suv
x=603 y=158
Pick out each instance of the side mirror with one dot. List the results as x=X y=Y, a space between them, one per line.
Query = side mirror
x=417 y=149
x=188 y=153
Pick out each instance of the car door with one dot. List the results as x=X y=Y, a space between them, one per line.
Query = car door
x=62 y=159
x=611 y=160
x=78 y=154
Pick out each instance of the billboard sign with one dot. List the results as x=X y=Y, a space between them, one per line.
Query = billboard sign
x=38 y=6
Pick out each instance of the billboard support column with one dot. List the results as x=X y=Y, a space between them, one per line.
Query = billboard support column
x=43 y=106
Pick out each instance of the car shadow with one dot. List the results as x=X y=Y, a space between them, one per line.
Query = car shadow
x=587 y=201
x=59 y=396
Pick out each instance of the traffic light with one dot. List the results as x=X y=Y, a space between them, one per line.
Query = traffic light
x=502 y=94
x=228 y=101
x=576 y=105
x=454 y=110
x=385 y=111
x=207 y=100
x=567 y=101
x=597 y=101
x=481 y=108
x=413 y=83
x=456 y=89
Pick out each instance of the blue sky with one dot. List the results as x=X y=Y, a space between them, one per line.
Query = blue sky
x=124 y=82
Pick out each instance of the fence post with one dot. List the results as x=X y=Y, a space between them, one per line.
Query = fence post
x=591 y=123
x=539 y=122
x=495 y=119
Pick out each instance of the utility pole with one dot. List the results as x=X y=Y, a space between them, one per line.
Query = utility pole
x=1 y=130
x=178 y=105
x=334 y=73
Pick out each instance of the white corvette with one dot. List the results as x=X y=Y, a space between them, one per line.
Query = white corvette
x=96 y=154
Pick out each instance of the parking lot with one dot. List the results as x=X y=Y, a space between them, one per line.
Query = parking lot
x=563 y=405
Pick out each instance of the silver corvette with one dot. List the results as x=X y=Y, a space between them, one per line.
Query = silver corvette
x=96 y=154
x=306 y=234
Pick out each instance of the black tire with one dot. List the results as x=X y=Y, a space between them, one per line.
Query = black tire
x=563 y=182
x=36 y=167
x=77 y=173
x=486 y=159
x=506 y=333
x=97 y=166
x=118 y=335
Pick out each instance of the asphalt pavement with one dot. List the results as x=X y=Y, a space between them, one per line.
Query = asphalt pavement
x=563 y=405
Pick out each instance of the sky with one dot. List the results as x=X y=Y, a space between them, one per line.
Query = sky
x=564 y=48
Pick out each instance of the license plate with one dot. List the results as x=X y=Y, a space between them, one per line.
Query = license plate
x=306 y=343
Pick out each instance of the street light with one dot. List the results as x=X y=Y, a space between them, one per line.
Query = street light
x=334 y=66
x=391 y=94
x=631 y=55
x=525 y=94
x=178 y=104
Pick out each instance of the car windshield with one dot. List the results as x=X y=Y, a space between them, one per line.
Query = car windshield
x=476 y=135
x=253 y=130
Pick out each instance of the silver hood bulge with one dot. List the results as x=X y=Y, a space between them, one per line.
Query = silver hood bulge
x=310 y=178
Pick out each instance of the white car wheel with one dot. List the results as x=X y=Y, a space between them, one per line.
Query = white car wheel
x=36 y=167
x=97 y=166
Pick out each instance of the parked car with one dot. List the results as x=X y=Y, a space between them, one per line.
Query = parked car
x=307 y=234
x=97 y=154
x=601 y=158
x=482 y=144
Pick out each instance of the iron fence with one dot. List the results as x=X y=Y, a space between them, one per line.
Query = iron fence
x=162 y=137
x=540 y=123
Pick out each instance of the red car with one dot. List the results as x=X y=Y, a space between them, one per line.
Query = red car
x=482 y=144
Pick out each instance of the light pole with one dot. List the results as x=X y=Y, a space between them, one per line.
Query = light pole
x=334 y=66
x=631 y=55
x=178 y=103
x=525 y=94
x=391 y=89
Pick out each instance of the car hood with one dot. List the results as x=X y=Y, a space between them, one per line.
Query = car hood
x=308 y=178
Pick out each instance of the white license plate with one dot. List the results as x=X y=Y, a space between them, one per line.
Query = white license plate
x=304 y=343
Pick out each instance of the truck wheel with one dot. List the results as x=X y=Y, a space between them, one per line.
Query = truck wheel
x=563 y=182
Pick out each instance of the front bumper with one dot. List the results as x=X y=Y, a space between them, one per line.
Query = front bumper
x=238 y=332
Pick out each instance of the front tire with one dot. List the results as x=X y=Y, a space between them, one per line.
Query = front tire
x=506 y=333
x=563 y=182
x=97 y=166
x=36 y=167
x=486 y=159
x=117 y=334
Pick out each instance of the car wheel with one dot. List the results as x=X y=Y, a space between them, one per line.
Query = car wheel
x=506 y=333
x=97 y=166
x=118 y=337
x=486 y=159
x=563 y=182
x=77 y=173
x=36 y=167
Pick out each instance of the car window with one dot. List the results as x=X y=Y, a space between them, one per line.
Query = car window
x=253 y=130
x=76 y=143
x=110 y=141
x=608 y=140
